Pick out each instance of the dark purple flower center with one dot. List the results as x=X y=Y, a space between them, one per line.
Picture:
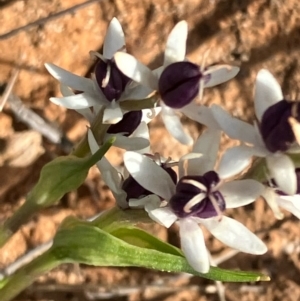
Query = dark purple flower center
x=179 y=84
x=195 y=196
x=275 y=128
x=110 y=79
x=135 y=191
x=127 y=125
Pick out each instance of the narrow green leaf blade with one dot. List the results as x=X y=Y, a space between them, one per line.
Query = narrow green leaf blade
x=84 y=243
x=142 y=239
x=62 y=175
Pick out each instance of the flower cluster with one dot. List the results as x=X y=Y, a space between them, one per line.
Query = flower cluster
x=201 y=190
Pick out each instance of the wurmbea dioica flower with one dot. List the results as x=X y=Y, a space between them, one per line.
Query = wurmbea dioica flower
x=108 y=86
x=126 y=191
x=131 y=132
x=200 y=197
x=272 y=137
x=178 y=82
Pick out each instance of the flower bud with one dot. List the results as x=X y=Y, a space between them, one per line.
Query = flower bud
x=110 y=79
x=127 y=125
x=179 y=84
x=275 y=128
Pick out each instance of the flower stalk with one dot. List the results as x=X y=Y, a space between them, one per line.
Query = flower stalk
x=24 y=277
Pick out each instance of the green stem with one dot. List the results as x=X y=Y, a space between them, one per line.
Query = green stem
x=82 y=149
x=13 y=223
x=140 y=104
x=99 y=129
x=100 y=153
x=14 y=284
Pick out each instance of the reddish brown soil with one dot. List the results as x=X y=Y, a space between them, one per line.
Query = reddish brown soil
x=253 y=34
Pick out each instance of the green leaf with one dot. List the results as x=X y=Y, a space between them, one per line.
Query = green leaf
x=62 y=175
x=82 y=242
x=115 y=217
x=57 y=178
x=143 y=239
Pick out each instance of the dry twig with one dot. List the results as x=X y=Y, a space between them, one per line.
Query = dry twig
x=43 y=21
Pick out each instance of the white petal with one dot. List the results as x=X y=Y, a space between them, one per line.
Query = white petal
x=208 y=145
x=113 y=113
x=104 y=165
x=271 y=197
x=267 y=92
x=235 y=235
x=282 y=169
x=151 y=201
x=234 y=161
x=99 y=95
x=66 y=91
x=94 y=147
x=186 y=160
x=135 y=70
x=163 y=216
x=290 y=203
x=109 y=174
x=260 y=147
x=135 y=91
x=193 y=245
x=130 y=143
x=176 y=44
x=75 y=102
x=150 y=114
x=173 y=125
x=87 y=114
x=114 y=40
x=148 y=174
x=220 y=74
x=142 y=131
x=233 y=127
x=201 y=114
x=158 y=71
x=69 y=79
x=240 y=193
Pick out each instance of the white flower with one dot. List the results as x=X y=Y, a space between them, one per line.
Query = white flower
x=265 y=141
x=199 y=198
x=119 y=182
x=178 y=82
x=95 y=92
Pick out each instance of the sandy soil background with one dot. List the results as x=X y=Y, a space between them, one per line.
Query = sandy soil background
x=253 y=34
